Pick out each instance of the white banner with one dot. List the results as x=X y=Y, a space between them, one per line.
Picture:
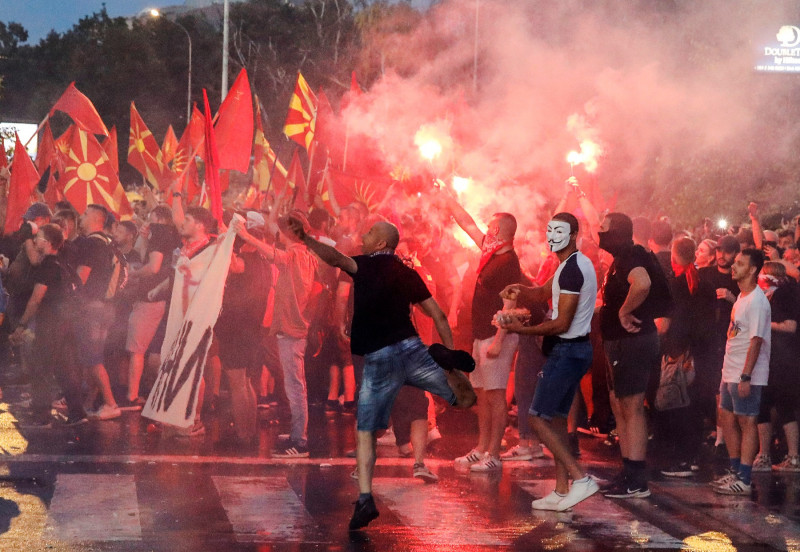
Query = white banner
x=194 y=308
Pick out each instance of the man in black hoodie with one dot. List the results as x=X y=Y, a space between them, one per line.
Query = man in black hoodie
x=631 y=344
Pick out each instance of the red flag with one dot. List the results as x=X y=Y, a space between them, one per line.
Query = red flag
x=169 y=146
x=189 y=182
x=144 y=154
x=23 y=180
x=191 y=143
x=88 y=174
x=49 y=157
x=234 y=128
x=355 y=89
x=265 y=164
x=111 y=149
x=3 y=156
x=212 y=164
x=297 y=183
x=80 y=108
x=350 y=188
x=302 y=116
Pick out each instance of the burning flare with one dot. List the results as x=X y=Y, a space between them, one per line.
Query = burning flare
x=460 y=184
x=430 y=140
x=588 y=155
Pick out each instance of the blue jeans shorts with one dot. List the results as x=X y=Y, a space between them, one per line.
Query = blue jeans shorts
x=386 y=370
x=730 y=400
x=559 y=379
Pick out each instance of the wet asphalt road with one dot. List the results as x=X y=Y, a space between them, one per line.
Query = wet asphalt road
x=117 y=486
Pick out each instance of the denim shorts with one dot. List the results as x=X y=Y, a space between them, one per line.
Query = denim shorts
x=559 y=379
x=730 y=400
x=388 y=369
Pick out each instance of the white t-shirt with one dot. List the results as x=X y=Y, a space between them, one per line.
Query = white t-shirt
x=576 y=276
x=751 y=317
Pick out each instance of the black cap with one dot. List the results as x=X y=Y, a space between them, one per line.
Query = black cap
x=729 y=244
x=451 y=359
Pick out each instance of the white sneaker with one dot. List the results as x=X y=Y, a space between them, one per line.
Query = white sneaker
x=581 y=490
x=549 y=502
x=422 y=472
x=489 y=463
x=735 y=487
x=106 y=412
x=468 y=459
x=520 y=452
x=434 y=435
x=762 y=463
x=727 y=479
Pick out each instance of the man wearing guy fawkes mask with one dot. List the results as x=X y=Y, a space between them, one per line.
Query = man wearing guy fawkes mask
x=573 y=289
x=631 y=345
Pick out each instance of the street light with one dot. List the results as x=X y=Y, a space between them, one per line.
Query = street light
x=156 y=13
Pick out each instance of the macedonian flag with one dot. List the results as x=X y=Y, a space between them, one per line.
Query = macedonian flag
x=302 y=117
x=144 y=154
x=268 y=172
x=89 y=176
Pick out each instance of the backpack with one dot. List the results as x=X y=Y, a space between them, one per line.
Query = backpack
x=119 y=268
x=677 y=374
x=658 y=303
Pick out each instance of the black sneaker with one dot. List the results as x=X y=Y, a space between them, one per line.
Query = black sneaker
x=365 y=512
x=332 y=406
x=678 y=470
x=614 y=482
x=292 y=451
x=628 y=489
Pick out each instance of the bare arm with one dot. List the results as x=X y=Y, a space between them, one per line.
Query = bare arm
x=463 y=219
x=567 y=307
x=637 y=293
x=430 y=307
x=33 y=304
x=787 y=326
x=535 y=294
x=758 y=233
x=153 y=266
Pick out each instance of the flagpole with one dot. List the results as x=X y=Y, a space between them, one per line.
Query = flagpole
x=46 y=118
x=312 y=153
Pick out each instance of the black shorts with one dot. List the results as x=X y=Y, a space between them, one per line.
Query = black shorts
x=631 y=361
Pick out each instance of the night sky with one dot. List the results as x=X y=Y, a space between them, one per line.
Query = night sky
x=40 y=16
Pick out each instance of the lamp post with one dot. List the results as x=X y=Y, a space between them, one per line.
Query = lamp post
x=156 y=13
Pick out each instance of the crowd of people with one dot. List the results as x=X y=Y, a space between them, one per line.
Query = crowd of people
x=629 y=329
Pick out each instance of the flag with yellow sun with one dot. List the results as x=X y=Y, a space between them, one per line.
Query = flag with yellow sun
x=89 y=176
x=145 y=155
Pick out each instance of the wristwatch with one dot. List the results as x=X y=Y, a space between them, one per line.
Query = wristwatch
x=744 y=378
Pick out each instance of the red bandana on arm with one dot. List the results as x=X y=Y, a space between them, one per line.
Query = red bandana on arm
x=491 y=245
x=691 y=275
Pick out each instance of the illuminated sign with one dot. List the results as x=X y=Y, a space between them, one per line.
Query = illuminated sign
x=782 y=55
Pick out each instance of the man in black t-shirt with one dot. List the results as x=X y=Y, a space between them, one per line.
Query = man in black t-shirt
x=47 y=312
x=94 y=259
x=631 y=345
x=716 y=297
x=146 y=315
x=384 y=290
x=493 y=349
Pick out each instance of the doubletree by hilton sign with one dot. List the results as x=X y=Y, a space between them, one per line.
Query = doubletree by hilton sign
x=783 y=54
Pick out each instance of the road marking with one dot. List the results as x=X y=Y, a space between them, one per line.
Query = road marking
x=741 y=512
x=438 y=515
x=255 y=461
x=598 y=519
x=264 y=509
x=94 y=508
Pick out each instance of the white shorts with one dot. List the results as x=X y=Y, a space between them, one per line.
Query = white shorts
x=492 y=373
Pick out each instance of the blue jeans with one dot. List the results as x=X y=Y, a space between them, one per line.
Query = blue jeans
x=291 y=352
x=730 y=400
x=560 y=378
x=529 y=363
x=387 y=370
